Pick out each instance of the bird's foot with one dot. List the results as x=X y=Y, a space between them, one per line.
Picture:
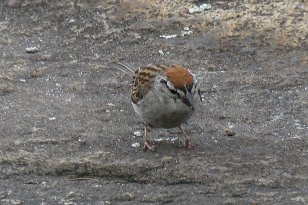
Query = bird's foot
x=187 y=144
x=148 y=146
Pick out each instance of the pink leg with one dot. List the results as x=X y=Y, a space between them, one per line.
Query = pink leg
x=187 y=143
x=146 y=145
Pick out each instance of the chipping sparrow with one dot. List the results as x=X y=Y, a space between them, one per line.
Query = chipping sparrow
x=163 y=96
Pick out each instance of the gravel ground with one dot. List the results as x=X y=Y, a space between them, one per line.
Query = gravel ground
x=67 y=125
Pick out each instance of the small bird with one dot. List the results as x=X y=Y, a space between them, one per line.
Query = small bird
x=163 y=96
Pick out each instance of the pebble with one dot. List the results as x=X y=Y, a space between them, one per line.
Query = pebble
x=52 y=118
x=228 y=132
x=136 y=144
x=160 y=139
x=32 y=50
x=169 y=36
x=186 y=32
x=137 y=134
x=161 y=52
x=10 y=201
x=200 y=8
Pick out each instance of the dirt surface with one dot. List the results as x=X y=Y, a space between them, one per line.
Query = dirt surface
x=67 y=125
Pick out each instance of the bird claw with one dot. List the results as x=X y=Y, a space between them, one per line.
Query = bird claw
x=187 y=144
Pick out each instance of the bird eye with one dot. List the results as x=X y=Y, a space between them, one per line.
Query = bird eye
x=163 y=81
x=173 y=91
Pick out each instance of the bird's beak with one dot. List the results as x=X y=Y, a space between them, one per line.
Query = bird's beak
x=188 y=100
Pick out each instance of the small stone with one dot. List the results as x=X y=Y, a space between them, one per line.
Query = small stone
x=52 y=118
x=299 y=199
x=229 y=132
x=169 y=36
x=159 y=139
x=174 y=139
x=136 y=144
x=71 y=20
x=200 y=8
x=137 y=134
x=11 y=201
x=186 y=33
x=32 y=50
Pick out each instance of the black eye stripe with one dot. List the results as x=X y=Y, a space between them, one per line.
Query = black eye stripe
x=173 y=91
x=163 y=81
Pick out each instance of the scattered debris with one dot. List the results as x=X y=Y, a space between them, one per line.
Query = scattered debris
x=71 y=20
x=169 y=36
x=11 y=201
x=167 y=139
x=161 y=52
x=299 y=199
x=32 y=50
x=202 y=7
x=159 y=139
x=186 y=31
x=174 y=139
